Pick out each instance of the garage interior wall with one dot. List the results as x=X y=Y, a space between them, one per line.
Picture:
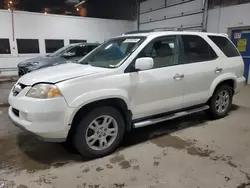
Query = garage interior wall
x=188 y=13
x=171 y=14
x=222 y=19
x=40 y=26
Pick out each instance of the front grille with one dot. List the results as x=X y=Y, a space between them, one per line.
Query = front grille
x=15 y=111
x=18 y=88
x=22 y=71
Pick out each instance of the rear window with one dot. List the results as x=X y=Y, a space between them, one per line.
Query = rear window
x=225 y=45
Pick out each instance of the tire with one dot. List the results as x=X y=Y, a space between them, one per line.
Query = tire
x=214 y=111
x=92 y=125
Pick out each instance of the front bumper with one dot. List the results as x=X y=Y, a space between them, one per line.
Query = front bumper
x=22 y=71
x=45 y=118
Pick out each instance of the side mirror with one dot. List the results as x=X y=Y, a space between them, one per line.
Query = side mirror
x=144 y=63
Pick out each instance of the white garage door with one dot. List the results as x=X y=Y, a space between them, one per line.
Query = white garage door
x=186 y=14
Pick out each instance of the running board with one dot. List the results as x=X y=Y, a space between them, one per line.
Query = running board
x=148 y=122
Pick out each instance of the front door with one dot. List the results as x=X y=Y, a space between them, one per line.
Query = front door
x=241 y=39
x=159 y=89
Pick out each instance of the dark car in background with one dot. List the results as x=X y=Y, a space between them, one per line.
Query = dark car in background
x=67 y=54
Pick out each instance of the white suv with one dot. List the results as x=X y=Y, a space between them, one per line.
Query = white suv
x=130 y=81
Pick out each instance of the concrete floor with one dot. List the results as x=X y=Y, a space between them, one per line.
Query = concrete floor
x=188 y=152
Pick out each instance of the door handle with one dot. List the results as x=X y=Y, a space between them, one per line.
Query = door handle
x=178 y=76
x=218 y=70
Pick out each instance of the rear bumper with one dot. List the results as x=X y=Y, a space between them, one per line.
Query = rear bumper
x=240 y=84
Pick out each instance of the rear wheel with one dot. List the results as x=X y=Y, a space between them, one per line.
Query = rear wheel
x=221 y=102
x=100 y=132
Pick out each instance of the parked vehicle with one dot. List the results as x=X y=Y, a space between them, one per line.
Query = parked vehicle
x=70 y=53
x=130 y=81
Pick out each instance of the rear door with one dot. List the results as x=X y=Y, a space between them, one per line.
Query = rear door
x=199 y=68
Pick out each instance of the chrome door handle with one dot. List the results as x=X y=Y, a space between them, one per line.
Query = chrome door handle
x=178 y=76
x=218 y=70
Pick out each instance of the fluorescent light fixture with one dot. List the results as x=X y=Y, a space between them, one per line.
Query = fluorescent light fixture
x=77 y=5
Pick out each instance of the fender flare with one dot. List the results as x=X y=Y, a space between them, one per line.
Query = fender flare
x=97 y=95
x=220 y=79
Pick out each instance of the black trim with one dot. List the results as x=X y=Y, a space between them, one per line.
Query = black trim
x=172 y=17
x=129 y=116
x=167 y=113
x=183 y=2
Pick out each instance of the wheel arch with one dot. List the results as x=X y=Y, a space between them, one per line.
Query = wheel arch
x=228 y=79
x=116 y=102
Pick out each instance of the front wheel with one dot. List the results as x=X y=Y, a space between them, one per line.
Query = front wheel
x=100 y=132
x=221 y=102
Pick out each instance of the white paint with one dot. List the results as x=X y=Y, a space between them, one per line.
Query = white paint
x=150 y=20
x=222 y=18
x=40 y=26
x=146 y=93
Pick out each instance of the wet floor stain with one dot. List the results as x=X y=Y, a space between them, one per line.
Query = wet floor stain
x=199 y=151
x=99 y=169
x=86 y=170
x=171 y=141
x=109 y=166
x=125 y=164
x=137 y=167
x=59 y=164
x=117 y=158
x=22 y=186
x=181 y=144
x=232 y=164
x=156 y=163
x=26 y=152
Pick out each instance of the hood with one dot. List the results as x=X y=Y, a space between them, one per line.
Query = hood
x=59 y=73
x=42 y=61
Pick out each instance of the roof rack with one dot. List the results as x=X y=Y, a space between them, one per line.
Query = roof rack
x=153 y=30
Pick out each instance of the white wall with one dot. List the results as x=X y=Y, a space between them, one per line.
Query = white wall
x=179 y=13
x=223 y=18
x=40 y=26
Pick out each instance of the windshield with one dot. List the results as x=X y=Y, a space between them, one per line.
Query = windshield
x=59 y=51
x=113 y=52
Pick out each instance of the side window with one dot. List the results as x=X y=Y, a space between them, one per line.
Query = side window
x=195 y=49
x=78 y=51
x=92 y=47
x=77 y=41
x=28 y=46
x=4 y=46
x=83 y=50
x=163 y=51
x=225 y=45
x=52 y=45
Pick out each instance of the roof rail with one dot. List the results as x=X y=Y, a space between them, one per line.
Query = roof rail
x=154 y=30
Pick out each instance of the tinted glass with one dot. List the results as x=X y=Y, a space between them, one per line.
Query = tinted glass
x=113 y=52
x=53 y=45
x=225 y=45
x=195 y=49
x=4 y=46
x=28 y=46
x=162 y=51
x=77 y=41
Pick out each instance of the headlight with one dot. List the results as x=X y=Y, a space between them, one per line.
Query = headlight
x=35 y=63
x=44 y=91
